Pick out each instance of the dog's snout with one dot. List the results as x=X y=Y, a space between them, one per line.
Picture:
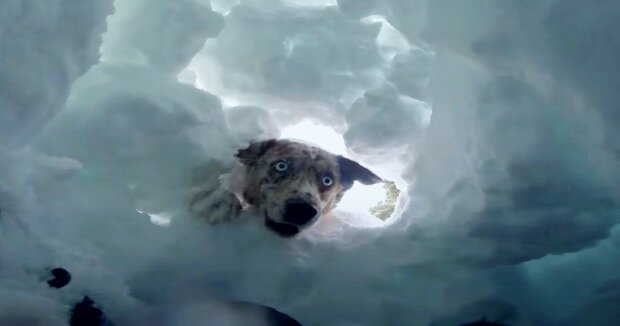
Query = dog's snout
x=300 y=212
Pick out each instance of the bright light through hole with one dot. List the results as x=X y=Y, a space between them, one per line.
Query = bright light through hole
x=360 y=198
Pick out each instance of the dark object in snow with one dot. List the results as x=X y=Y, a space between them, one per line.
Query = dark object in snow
x=207 y=311
x=484 y=322
x=86 y=314
x=61 y=278
x=273 y=317
x=277 y=318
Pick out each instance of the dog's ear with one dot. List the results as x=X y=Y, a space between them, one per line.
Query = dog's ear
x=351 y=171
x=252 y=153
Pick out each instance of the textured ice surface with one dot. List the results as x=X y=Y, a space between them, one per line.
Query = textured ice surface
x=502 y=116
x=45 y=46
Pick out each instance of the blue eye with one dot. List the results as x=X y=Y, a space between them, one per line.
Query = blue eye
x=327 y=181
x=281 y=166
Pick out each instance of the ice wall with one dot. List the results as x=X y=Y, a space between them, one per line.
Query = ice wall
x=502 y=112
x=42 y=54
x=521 y=150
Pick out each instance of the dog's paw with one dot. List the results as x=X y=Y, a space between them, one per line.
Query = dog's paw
x=216 y=206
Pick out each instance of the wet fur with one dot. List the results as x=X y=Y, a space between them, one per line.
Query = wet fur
x=267 y=190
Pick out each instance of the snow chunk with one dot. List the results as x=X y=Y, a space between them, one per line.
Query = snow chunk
x=385 y=123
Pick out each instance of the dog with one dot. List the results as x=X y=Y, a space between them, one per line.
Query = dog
x=289 y=183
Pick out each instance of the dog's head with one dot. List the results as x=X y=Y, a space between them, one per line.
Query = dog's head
x=293 y=184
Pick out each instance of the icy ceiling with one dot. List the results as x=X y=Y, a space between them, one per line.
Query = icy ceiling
x=500 y=116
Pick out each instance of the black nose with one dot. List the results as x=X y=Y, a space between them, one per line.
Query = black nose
x=299 y=212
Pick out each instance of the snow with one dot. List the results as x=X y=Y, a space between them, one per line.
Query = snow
x=497 y=119
x=42 y=54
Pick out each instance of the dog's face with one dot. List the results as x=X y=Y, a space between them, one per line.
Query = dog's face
x=294 y=184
